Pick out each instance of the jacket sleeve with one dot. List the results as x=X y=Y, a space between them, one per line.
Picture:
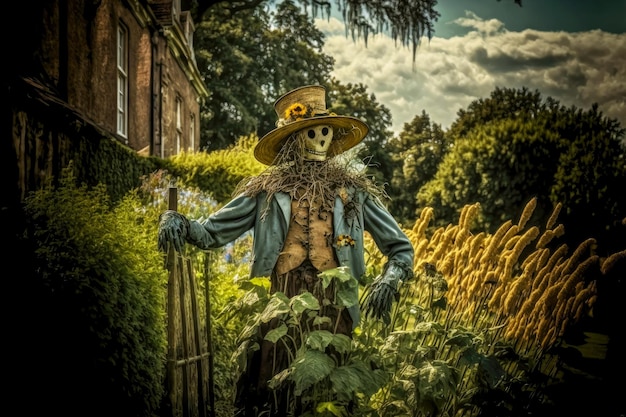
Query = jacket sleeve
x=388 y=236
x=225 y=225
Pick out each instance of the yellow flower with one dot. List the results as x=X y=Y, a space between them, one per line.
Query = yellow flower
x=345 y=240
x=343 y=194
x=296 y=111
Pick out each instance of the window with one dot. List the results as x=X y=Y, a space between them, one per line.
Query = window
x=122 y=80
x=192 y=133
x=179 y=124
x=188 y=28
x=176 y=9
x=189 y=33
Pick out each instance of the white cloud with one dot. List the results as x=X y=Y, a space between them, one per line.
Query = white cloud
x=574 y=68
x=491 y=26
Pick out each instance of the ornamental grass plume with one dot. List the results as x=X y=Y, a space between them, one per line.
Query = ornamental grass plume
x=511 y=258
x=554 y=216
x=527 y=213
x=548 y=235
x=493 y=244
x=514 y=287
x=542 y=278
x=576 y=277
x=419 y=228
x=610 y=261
x=584 y=247
x=540 y=260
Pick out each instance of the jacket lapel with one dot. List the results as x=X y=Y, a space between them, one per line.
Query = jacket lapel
x=284 y=202
x=338 y=217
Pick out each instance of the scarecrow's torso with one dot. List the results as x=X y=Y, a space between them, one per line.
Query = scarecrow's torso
x=309 y=237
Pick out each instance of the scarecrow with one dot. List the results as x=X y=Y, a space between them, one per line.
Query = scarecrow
x=308 y=211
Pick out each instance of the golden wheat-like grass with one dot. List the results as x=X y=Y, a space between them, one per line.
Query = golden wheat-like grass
x=610 y=261
x=511 y=277
x=516 y=285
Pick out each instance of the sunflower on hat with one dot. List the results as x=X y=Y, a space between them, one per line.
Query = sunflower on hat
x=297 y=111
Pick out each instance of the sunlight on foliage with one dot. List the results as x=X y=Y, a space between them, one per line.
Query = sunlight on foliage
x=217 y=173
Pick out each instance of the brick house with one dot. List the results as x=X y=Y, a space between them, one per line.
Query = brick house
x=127 y=66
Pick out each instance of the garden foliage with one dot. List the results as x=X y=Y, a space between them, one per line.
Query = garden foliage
x=476 y=331
x=218 y=172
x=100 y=293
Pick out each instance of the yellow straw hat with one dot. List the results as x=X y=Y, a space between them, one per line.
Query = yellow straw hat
x=302 y=108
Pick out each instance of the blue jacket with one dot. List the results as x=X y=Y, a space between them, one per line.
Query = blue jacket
x=269 y=221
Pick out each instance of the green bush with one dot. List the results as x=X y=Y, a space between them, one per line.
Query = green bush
x=219 y=172
x=100 y=286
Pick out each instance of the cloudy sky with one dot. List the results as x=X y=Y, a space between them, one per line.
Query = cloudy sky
x=571 y=50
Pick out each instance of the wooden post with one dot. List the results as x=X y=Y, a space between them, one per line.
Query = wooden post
x=171 y=313
x=197 y=338
x=207 y=300
x=182 y=304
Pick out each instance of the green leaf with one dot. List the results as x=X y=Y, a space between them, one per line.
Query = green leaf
x=490 y=371
x=319 y=339
x=250 y=298
x=302 y=302
x=348 y=294
x=342 y=274
x=462 y=337
x=427 y=327
x=274 y=335
x=278 y=305
x=321 y=320
x=332 y=408
x=342 y=343
x=260 y=283
x=278 y=379
x=250 y=329
x=244 y=350
x=356 y=377
x=312 y=367
x=437 y=380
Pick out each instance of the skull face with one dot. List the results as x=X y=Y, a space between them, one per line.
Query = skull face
x=317 y=140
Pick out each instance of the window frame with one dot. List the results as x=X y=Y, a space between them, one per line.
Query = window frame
x=192 y=132
x=122 y=80
x=179 y=123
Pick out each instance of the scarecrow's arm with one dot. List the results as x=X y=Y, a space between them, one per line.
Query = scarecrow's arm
x=221 y=227
x=394 y=244
x=384 y=291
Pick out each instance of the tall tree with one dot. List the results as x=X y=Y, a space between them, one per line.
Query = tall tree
x=407 y=21
x=354 y=100
x=591 y=174
x=514 y=146
x=227 y=49
x=503 y=103
x=416 y=154
x=247 y=60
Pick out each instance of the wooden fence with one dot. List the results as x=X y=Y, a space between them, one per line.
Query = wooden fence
x=189 y=382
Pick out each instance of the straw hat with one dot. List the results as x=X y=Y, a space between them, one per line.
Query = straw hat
x=302 y=108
